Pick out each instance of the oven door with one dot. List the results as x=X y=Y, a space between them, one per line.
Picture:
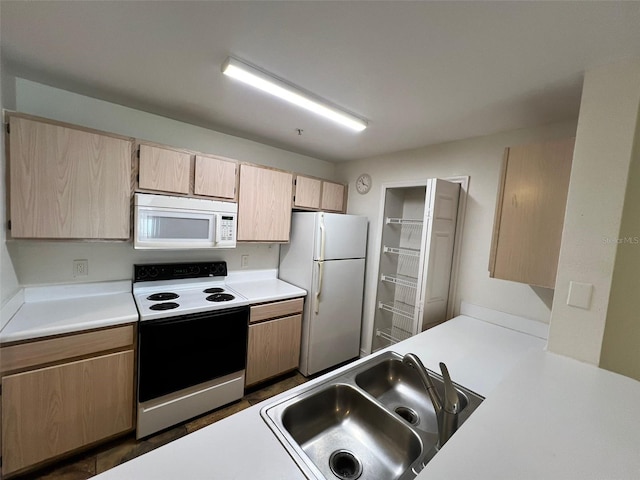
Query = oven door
x=179 y=352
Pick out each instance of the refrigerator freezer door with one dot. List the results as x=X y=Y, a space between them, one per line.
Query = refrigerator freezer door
x=340 y=236
x=334 y=331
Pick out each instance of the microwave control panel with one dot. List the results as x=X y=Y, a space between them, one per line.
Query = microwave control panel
x=226 y=229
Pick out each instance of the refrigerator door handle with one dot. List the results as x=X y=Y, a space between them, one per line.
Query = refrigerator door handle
x=319 y=290
x=323 y=238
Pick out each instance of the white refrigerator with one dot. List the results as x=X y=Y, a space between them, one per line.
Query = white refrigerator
x=326 y=257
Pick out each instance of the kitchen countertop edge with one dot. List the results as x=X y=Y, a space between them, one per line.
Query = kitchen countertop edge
x=33 y=320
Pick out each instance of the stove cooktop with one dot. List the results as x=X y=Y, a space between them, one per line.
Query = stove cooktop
x=204 y=290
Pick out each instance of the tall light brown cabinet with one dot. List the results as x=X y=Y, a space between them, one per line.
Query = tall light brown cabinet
x=264 y=204
x=67 y=182
x=530 y=212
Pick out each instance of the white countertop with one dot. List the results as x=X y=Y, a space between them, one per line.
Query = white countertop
x=268 y=290
x=552 y=418
x=477 y=353
x=58 y=309
x=62 y=309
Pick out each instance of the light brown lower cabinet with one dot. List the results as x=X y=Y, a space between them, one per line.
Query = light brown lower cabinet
x=274 y=348
x=54 y=410
x=55 y=404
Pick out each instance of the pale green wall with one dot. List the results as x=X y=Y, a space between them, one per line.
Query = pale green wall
x=621 y=343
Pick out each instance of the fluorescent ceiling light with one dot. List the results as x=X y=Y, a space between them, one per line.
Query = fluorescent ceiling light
x=270 y=84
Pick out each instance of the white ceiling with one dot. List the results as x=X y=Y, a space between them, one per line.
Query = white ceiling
x=419 y=72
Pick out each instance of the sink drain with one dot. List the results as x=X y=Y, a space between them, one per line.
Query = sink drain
x=345 y=465
x=408 y=414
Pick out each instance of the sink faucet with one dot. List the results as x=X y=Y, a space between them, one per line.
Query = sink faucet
x=447 y=409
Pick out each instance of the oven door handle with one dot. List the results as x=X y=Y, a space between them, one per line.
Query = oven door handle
x=319 y=290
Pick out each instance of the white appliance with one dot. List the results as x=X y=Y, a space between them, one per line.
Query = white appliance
x=192 y=342
x=171 y=223
x=326 y=257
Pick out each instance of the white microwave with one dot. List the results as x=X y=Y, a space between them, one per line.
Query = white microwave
x=171 y=223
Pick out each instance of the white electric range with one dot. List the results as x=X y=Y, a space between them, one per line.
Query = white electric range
x=192 y=342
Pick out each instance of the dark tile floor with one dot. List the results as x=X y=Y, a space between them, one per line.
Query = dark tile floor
x=102 y=458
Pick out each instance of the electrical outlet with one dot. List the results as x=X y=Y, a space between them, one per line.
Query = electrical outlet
x=80 y=268
x=244 y=261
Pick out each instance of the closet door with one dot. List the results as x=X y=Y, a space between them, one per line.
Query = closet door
x=440 y=238
x=416 y=252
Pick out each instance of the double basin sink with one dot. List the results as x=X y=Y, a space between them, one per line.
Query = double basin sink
x=372 y=422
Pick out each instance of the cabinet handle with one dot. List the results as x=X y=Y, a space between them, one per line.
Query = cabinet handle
x=514 y=201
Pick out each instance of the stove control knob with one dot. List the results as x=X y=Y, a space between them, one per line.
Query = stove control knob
x=218 y=269
x=142 y=272
x=153 y=272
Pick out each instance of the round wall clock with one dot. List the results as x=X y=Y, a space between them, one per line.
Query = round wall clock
x=363 y=183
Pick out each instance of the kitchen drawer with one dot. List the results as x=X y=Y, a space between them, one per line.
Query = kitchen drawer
x=266 y=311
x=40 y=352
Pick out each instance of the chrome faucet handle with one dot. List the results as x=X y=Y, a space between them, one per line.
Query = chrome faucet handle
x=412 y=360
x=446 y=409
x=451 y=401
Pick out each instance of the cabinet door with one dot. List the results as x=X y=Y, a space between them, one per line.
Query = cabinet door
x=164 y=170
x=274 y=348
x=264 y=204
x=530 y=213
x=307 y=192
x=54 y=410
x=68 y=183
x=215 y=177
x=332 y=197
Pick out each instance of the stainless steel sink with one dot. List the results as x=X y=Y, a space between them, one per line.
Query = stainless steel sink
x=372 y=422
x=399 y=388
x=368 y=438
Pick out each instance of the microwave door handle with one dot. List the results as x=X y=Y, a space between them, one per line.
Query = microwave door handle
x=319 y=290
x=216 y=223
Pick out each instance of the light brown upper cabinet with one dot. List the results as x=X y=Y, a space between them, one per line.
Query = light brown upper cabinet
x=264 y=204
x=164 y=169
x=332 y=197
x=318 y=194
x=67 y=182
x=172 y=170
x=307 y=192
x=530 y=212
x=215 y=177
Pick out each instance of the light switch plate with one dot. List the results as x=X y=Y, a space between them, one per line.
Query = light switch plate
x=580 y=295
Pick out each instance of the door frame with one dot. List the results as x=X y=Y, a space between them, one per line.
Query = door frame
x=463 y=181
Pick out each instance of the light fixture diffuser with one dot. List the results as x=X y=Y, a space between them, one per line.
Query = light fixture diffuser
x=270 y=84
